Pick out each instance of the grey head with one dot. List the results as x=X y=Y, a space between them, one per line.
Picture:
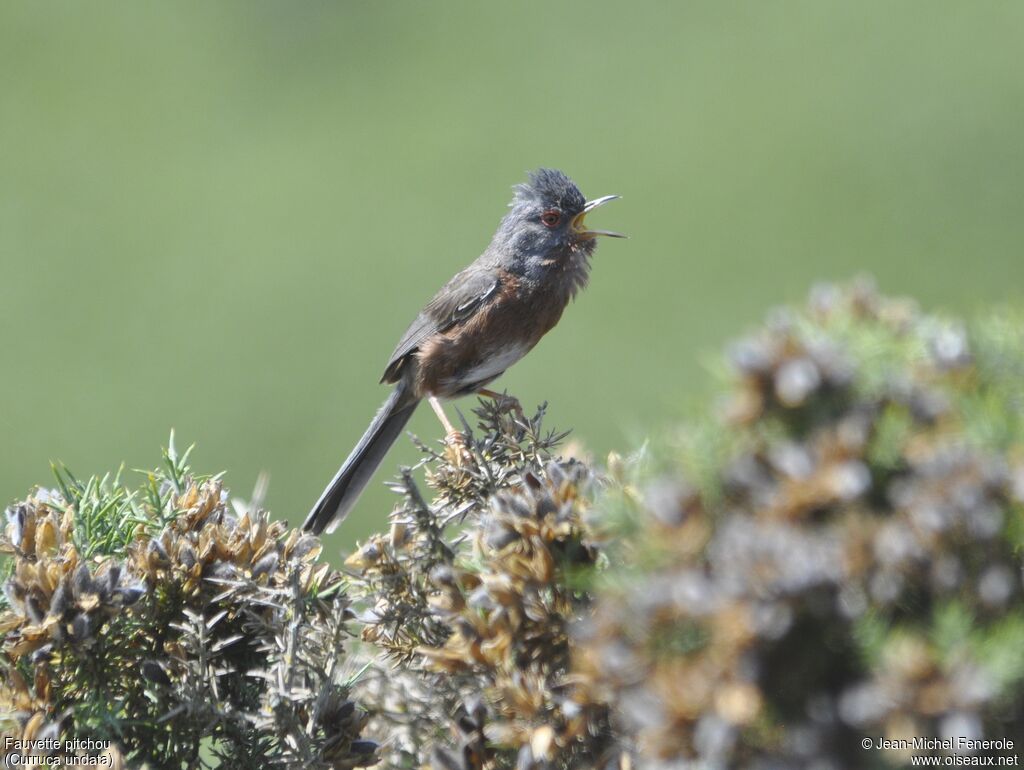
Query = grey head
x=545 y=223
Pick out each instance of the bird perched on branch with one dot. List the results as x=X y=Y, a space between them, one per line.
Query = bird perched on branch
x=480 y=323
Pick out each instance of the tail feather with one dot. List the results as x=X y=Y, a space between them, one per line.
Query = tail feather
x=355 y=473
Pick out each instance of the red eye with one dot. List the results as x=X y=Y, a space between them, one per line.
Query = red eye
x=551 y=217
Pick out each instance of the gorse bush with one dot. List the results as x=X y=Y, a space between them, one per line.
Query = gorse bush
x=839 y=559
x=175 y=628
x=470 y=601
x=833 y=552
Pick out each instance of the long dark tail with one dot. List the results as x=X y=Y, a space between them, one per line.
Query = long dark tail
x=355 y=473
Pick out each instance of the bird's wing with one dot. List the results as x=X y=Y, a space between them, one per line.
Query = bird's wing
x=458 y=300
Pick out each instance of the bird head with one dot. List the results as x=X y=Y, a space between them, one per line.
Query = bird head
x=547 y=219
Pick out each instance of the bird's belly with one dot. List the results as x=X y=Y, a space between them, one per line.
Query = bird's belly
x=449 y=367
x=465 y=358
x=486 y=370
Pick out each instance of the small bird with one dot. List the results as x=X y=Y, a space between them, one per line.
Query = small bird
x=481 y=322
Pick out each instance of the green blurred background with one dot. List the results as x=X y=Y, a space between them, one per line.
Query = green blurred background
x=219 y=217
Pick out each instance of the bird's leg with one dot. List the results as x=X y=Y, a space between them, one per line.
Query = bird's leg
x=435 y=404
x=503 y=397
x=456 y=449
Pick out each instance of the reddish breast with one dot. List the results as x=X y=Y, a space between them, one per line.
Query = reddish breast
x=482 y=347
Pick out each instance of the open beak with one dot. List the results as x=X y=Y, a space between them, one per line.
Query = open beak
x=581 y=230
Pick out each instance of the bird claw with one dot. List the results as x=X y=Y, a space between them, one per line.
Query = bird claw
x=501 y=399
x=456 y=449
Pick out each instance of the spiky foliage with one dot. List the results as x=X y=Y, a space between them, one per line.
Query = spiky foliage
x=180 y=630
x=836 y=557
x=469 y=597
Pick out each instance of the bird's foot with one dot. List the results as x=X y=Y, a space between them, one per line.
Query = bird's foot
x=502 y=399
x=456 y=449
x=456 y=446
